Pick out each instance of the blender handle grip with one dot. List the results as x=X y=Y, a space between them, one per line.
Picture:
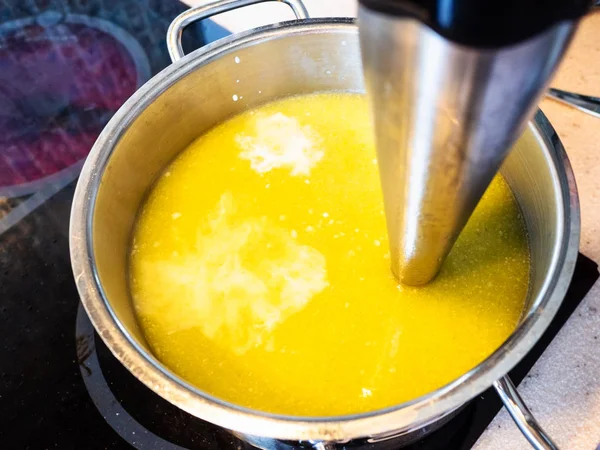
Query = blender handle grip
x=520 y=413
x=220 y=6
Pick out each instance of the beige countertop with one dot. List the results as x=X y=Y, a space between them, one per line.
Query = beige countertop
x=579 y=132
x=563 y=388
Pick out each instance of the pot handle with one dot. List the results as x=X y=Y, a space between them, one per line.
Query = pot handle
x=585 y=103
x=520 y=413
x=220 y=6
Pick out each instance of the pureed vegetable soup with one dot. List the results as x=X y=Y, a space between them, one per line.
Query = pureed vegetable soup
x=260 y=269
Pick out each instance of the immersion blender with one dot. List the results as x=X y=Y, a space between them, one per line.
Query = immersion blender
x=452 y=84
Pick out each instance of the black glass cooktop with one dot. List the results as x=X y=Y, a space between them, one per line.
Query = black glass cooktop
x=65 y=67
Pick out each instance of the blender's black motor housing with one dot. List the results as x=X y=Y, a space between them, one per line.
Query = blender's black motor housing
x=483 y=23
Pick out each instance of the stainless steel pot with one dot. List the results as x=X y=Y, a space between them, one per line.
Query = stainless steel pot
x=202 y=89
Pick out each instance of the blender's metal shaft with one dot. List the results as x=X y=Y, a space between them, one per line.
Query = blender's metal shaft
x=445 y=116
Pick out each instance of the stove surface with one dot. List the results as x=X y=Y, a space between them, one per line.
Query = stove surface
x=60 y=387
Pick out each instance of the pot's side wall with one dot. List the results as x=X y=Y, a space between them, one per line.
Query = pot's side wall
x=534 y=182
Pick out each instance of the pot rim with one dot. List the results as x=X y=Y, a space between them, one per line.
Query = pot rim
x=405 y=416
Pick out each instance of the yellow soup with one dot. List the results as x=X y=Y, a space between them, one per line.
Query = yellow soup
x=260 y=269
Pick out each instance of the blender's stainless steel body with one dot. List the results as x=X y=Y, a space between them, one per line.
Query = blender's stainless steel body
x=448 y=103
